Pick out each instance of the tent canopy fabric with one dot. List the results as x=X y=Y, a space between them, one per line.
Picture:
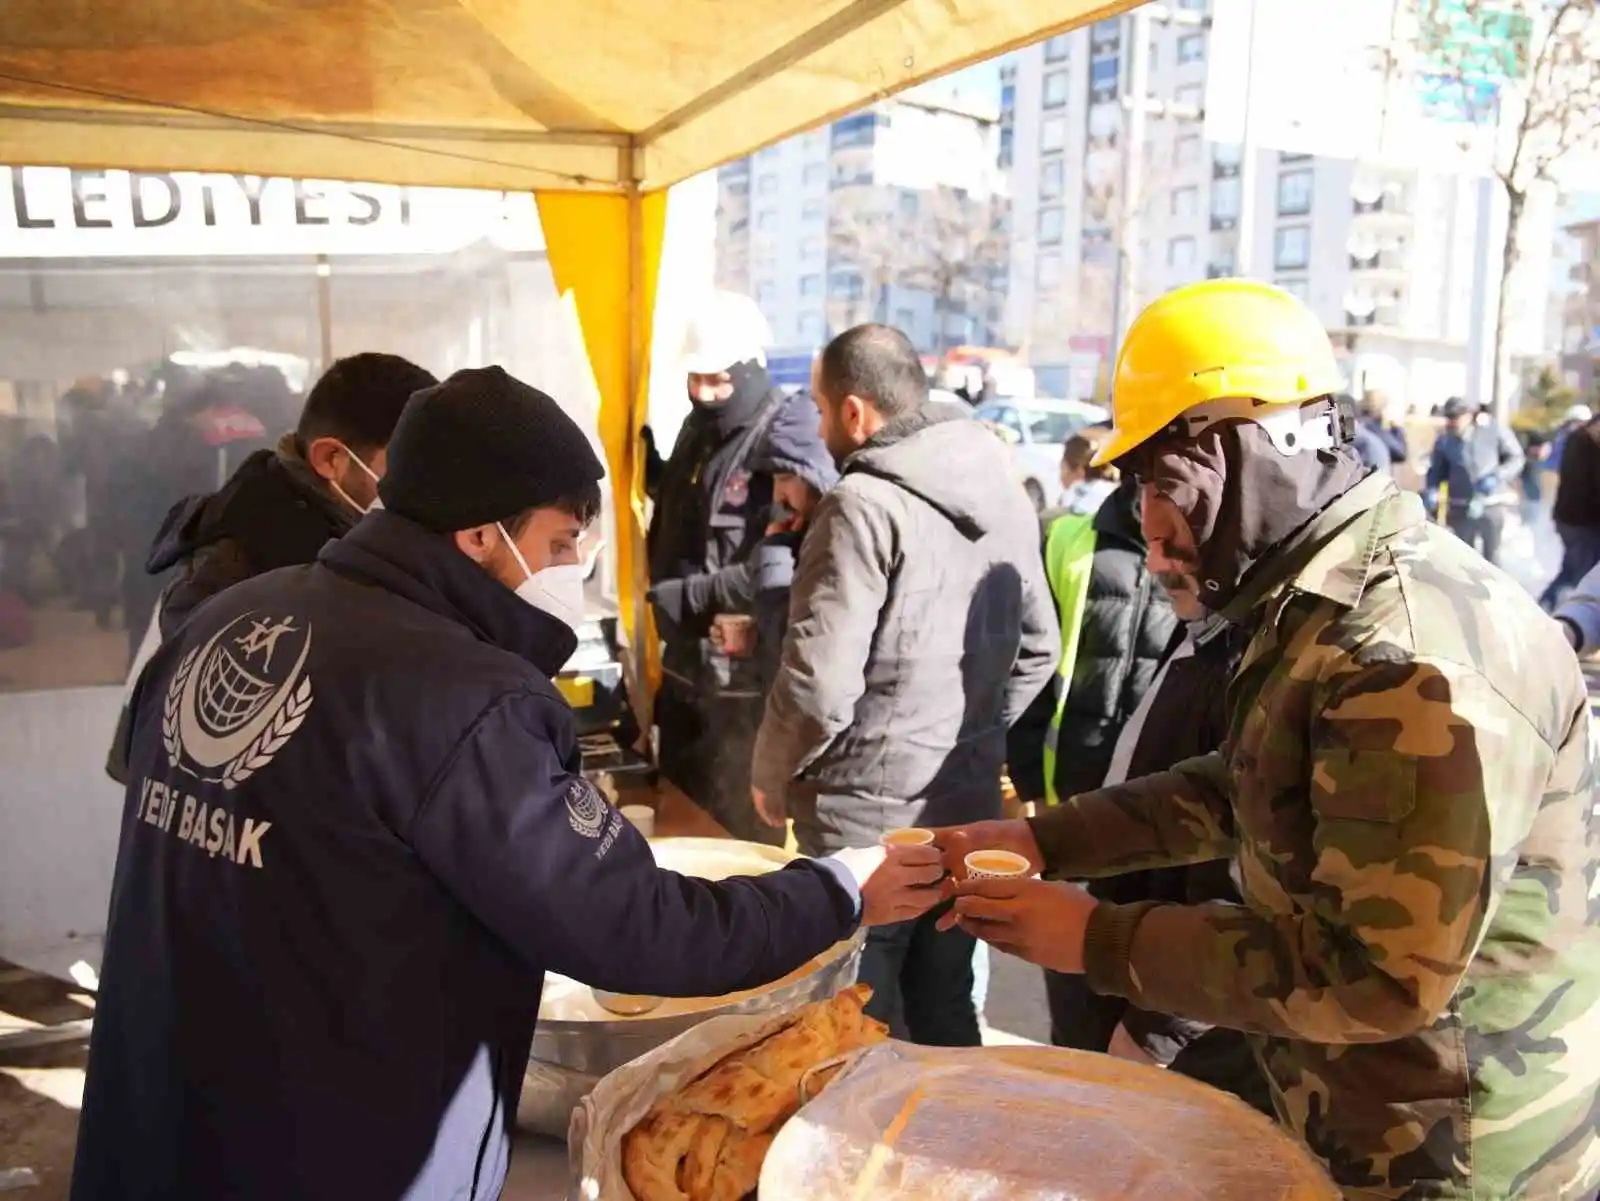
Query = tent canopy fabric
x=517 y=94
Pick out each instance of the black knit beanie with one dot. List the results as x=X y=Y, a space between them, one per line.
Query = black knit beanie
x=480 y=447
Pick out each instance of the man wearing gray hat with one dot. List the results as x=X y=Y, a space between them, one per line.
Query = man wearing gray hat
x=356 y=836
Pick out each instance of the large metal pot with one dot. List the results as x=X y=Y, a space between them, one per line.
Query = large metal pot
x=576 y=1042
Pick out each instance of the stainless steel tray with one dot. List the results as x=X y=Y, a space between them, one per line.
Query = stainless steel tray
x=569 y=1056
x=596 y=1047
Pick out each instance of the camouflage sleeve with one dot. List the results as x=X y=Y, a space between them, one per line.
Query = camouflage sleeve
x=1180 y=816
x=1421 y=778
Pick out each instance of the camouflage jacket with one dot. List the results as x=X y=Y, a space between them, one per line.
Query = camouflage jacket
x=1408 y=784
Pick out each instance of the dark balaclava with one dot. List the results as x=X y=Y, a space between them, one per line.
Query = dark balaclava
x=1242 y=498
x=751 y=386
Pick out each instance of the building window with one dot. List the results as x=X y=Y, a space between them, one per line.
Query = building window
x=1055 y=89
x=847 y=285
x=1186 y=150
x=767 y=185
x=1180 y=252
x=766 y=293
x=1300 y=289
x=1294 y=193
x=909 y=203
x=767 y=220
x=858 y=130
x=1191 y=47
x=904 y=319
x=1225 y=198
x=1096 y=247
x=1049 y=271
x=816 y=174
x=1052 y=178
x=814 y=210
x=1194 y=6
x=1185 y=202
x=1103 y=81
x=811 y=248
x=1057 y=48
x=1050 y=225
x=736 y=187
x=811 y=285
x=1052 y=134
x=1291 y=248
x=813 y=329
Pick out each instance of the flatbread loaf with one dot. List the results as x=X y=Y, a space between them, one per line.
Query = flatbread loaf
x=706 y=1141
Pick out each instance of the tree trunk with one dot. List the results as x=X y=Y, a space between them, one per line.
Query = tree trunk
x=1510 y=254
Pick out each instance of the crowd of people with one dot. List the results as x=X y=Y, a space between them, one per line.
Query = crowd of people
x=1309 y=784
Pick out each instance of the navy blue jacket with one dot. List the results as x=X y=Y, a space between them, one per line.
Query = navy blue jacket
x=355 y=839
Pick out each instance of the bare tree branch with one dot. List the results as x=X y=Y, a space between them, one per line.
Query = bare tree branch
x=1556 y=98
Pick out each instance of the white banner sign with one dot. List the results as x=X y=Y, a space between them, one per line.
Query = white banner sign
x=52 y=212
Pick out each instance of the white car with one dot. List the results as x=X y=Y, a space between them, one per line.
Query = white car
x=1037 y=428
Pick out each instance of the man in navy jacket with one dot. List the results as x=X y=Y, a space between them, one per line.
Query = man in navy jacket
x=357 y=836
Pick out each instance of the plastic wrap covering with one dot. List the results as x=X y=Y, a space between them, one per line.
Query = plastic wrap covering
x=1026 y=1124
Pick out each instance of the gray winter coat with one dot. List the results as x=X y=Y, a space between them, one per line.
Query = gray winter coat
x=920 y=628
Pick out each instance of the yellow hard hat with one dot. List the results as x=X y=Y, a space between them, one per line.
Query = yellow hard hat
x=1210 y=341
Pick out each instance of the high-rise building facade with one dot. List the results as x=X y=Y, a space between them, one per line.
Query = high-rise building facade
x=1382 y=253
x=897 y=214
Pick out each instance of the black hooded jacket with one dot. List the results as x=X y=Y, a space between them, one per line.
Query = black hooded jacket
x=1127 y=627
x=711 y=506
x=273 y=512
x=759 y=585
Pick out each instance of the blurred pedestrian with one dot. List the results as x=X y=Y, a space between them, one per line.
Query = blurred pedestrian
x=1476 y=460
x=1577 y=508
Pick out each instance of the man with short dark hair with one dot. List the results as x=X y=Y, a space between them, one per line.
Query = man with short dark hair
x=281 y=506
x=357 y=836
x=1476 y=460
x=920 y=628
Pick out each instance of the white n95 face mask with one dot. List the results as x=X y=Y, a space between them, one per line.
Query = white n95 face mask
x=556 y=590
x=345 y=496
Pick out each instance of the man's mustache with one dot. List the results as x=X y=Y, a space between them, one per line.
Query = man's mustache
x=1174 y=581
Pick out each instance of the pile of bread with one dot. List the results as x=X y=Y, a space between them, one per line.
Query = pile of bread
x=706 y=1141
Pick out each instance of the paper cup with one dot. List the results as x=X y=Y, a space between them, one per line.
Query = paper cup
x=996 y=865
x=643 y=818
x=908 y=837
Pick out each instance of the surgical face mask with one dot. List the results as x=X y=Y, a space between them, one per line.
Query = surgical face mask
x=556 y=590
x=377 y=502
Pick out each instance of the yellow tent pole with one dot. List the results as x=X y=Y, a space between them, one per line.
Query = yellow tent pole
x=605 y=251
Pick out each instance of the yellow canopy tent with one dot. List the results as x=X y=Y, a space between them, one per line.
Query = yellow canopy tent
x=594 y=105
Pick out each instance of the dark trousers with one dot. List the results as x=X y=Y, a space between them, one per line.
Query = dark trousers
x=1084 y=1020
x=921 y=982
x=1580 y=551
x=705 y=752
x=1080 y=1018
x=1481 y=532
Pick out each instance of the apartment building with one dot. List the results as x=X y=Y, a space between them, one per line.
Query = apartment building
x=1384 y=254
x=897 y=213
x=1580 y=310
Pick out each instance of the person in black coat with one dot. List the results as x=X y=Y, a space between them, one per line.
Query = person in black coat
x=1127 y=628
x=749 y=601
x=713 y=504
x=1182 y=715
x=357 y=836
x=281 y=506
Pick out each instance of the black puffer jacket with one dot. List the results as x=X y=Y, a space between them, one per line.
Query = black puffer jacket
x=1128 y=624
